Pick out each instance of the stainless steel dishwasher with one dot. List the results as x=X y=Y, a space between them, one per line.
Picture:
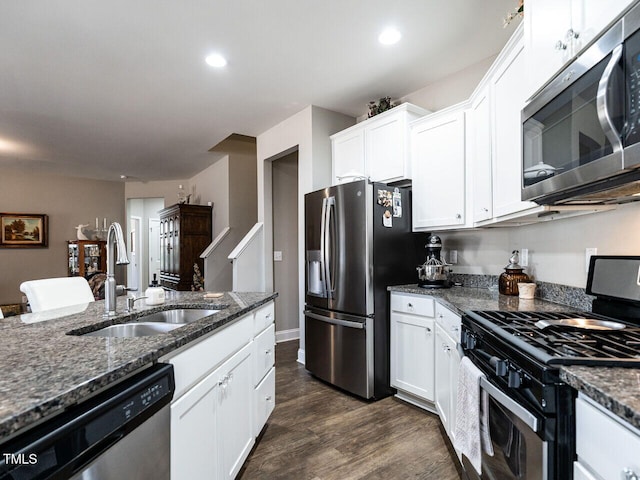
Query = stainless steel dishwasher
x=123 y=432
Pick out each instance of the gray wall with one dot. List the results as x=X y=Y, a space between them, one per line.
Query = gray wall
x=285 y=240
x=68 y=201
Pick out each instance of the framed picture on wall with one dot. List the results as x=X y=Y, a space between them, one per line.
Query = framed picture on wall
x=23 y=230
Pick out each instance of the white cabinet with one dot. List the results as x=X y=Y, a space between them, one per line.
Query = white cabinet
x=479 y=161
x=234 y=411
x=606 y=446
x=555 y=31
x=447 y=365
x=438 y=164
x=225 y=392
x=211 y=433
x=377 y=148
x=508 y=95
x=264 y=357
x=347 y=150
x=194 y=442
x=412 y=343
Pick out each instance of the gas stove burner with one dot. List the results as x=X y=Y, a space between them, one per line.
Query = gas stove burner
x=584 y=323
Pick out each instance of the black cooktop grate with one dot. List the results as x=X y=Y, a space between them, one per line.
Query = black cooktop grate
x=567 y=345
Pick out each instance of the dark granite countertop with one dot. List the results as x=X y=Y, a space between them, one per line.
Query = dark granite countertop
x=45 y=370
x=616 y=389
x=460 y=299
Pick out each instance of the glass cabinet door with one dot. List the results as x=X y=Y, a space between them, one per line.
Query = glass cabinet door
x=74 y=266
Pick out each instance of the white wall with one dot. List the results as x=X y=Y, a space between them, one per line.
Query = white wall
x=314 y=172
x=451 y=90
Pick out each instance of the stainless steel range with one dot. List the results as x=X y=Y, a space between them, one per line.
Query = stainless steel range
x=531 y=411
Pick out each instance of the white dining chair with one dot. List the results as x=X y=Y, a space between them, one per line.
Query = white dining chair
x=50 y=293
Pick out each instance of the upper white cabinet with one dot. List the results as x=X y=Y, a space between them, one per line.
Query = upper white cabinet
x=347 y=151
x=508 y=95
x=377 y=148
x=555 y=31
x=438 y=164
x=479 y=157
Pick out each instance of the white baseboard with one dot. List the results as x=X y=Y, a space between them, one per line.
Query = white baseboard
x=286 y=335
x=301 y=356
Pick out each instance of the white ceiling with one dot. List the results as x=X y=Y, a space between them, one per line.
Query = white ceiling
x=101 y=89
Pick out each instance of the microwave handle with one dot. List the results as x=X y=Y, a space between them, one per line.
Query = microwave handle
x=602 y=101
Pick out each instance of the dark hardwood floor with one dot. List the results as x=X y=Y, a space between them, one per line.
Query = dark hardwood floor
x=317 y=432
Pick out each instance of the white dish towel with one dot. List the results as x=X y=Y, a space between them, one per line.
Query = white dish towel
x=472 y=425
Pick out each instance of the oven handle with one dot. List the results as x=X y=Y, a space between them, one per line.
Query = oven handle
x=602 y=99
x=510 y=404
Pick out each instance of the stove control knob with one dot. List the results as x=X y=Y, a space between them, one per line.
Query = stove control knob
x=500 y=366
x=515 y=380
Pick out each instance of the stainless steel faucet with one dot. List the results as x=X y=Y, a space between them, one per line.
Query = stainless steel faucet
x=115 y=238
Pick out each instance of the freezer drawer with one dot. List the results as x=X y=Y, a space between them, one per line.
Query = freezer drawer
x=339 y=350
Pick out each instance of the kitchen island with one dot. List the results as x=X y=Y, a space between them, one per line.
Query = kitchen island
x=616 y=389
x=45 y=369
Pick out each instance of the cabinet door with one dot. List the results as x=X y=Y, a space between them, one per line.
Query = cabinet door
x=546 y=23
x=442 y=380
x=479 y=134
x=348 y=155
x=454 y=369
x=508 y=97
x=412 y=340
x=194 y=439
x=590 y=17
x=235 y=412
x=437 y=156
x=385 y=148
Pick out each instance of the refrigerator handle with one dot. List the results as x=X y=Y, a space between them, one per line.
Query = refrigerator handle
x=323 y=250
x=335 y=321
x=327 y=207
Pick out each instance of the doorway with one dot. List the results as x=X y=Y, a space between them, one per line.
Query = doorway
x=143 y=242
x=285 y=245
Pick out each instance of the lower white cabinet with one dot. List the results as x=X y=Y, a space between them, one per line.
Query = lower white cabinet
x=211 y=428
x=424 y=354
x=412 y=337
x=607 y=447
x=225 y=392
x=447 y=362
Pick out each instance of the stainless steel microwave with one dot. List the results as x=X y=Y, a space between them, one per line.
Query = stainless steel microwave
x=581 y=132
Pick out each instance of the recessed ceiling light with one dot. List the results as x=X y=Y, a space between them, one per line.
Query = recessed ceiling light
x=389 y=36
x=216 y=60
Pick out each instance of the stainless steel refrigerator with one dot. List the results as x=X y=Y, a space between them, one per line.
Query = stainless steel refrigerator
x=358 y=241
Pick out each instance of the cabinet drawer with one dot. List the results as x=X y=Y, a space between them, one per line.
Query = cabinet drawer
x=264 y=316
x=264 y=353
x=265 y=400
x=604 y=443
x=415 y=304
x=196 y=361
x=449 y=321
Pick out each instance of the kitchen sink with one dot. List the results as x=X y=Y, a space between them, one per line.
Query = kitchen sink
x=134 y=329
x=154 y=323
x=177 y=315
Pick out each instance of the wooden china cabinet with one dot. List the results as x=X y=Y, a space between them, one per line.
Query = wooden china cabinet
x=185 y=231
x=87 y=257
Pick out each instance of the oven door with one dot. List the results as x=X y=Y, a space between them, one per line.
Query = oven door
x=518 y=450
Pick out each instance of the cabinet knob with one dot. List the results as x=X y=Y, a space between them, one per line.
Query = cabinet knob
x=628 y=474
x=446 y=348
x=268 y=398
x=458 y=216
x=560 y=45
x=485 y=210
x=455 y=329
x=268 y=317
x=428 y=330
x=409 y=306
x=572 y=34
